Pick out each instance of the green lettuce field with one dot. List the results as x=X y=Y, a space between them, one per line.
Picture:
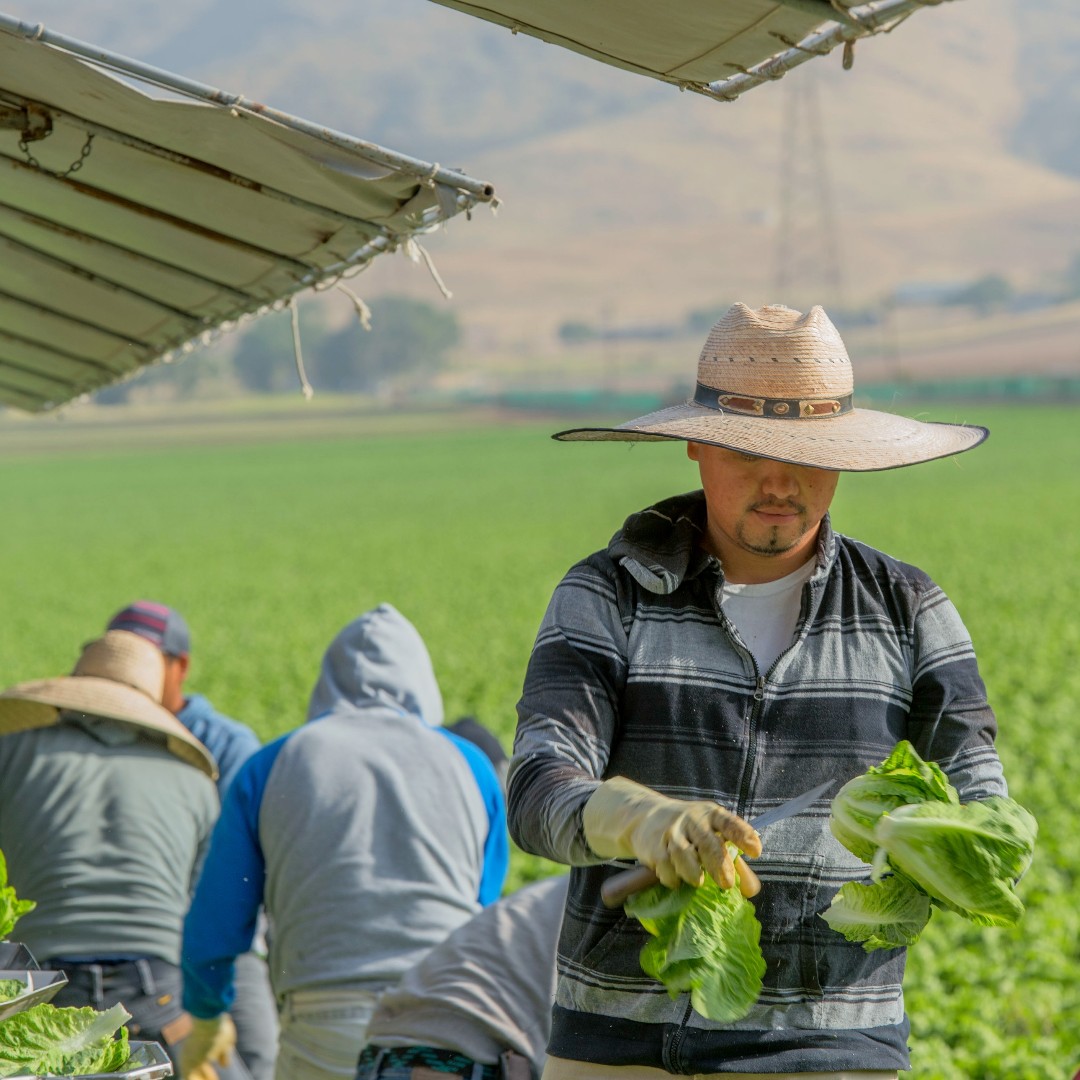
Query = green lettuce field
x=269 y=547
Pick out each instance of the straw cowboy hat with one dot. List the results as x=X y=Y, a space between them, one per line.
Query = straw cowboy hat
x=120 y=677
x=778 y=384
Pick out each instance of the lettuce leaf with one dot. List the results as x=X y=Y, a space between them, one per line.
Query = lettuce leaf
x=11 y=908
x=51 y=1041
x=902 y=778
x=966 y=857
x=705 y=941
x=886 y=914
x=11 y=988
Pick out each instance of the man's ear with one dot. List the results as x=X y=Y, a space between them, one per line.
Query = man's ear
x=184 y=660
x=692 y=450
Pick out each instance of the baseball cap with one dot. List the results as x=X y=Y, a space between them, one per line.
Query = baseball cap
x=159 y=624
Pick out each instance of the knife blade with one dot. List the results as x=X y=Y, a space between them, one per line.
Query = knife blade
x=617 y=888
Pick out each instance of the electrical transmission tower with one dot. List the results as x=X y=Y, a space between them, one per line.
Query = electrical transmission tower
x=807 y=267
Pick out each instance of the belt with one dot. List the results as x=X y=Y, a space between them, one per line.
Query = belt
x=430 y=1057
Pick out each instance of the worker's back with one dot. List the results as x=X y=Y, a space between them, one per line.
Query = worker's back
x=102 y=828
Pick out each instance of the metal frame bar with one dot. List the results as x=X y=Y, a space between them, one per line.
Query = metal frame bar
x=52 y=261
x=866 y=20
x=124 y=65
x=125 y=339
x=51 y=225
x=37 y=402
x=294 y=266
x=73 y=358
x=31 y=373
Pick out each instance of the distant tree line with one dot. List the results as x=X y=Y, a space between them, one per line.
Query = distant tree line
x=408 y=338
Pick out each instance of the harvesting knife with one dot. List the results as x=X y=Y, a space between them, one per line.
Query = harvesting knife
x=617 y=888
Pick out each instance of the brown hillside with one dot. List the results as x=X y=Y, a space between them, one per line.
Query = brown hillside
x=626 y=202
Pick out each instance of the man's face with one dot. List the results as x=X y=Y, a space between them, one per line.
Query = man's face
x=763 y=514
x=172 y=694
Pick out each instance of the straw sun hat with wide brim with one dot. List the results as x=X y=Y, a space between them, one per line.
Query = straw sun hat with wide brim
x=120 y=677
x=778 y=384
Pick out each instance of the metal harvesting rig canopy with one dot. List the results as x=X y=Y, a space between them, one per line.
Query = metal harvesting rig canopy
x=720 y=48
x=133 y=227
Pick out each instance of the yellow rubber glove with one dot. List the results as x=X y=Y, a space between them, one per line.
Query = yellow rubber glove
x=681 y=839
x=210 y=1043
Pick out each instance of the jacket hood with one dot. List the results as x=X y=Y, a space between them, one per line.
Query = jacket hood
x=661 y=546
x=378 y=661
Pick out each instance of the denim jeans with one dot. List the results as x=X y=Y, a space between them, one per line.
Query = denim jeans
x=150 y=989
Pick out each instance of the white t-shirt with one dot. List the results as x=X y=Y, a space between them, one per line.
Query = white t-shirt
x=766 y=615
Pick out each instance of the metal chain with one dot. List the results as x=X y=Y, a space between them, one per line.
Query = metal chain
x=75 y=166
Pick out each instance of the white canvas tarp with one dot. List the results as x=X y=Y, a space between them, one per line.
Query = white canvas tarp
x=131 y=225
x=715 y=47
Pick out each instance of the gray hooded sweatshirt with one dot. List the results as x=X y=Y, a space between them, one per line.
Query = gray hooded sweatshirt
x=365 y=830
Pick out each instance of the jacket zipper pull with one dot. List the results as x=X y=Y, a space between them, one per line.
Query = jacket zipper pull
x=759 y=690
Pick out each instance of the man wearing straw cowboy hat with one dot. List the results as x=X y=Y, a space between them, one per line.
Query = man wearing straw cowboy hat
x=727 y=651
x=106 y=806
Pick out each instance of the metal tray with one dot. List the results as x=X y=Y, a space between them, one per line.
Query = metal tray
x=148 y=1061
x=41 y=986
x=16 y=957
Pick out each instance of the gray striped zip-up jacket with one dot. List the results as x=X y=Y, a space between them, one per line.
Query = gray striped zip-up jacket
x=636 y=672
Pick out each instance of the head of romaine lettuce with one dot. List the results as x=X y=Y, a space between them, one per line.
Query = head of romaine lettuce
x=902 y=778
x=706 y=942
x=926 y=850
x=966 y=857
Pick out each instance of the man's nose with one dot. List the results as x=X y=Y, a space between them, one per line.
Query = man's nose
x=779 y=480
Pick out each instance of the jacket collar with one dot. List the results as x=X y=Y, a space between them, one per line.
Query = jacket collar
x=661 y=547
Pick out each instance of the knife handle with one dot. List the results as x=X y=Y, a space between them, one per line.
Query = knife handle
x=618 y=888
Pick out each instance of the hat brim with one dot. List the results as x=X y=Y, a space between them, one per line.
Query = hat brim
x=863 y=440
x=39 y=703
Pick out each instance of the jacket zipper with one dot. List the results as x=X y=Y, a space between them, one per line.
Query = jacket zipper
x=672 y=1053
x=751 y=743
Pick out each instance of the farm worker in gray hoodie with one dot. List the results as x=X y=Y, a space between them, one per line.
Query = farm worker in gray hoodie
x=369 y=833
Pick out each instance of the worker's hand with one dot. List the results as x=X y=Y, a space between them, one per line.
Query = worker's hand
x=210 y=1043
x=680 y=839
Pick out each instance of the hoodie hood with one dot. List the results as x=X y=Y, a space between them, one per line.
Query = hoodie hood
x=379 y=661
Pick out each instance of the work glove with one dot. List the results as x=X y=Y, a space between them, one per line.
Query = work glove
x=681 y=839
x=210 y=1043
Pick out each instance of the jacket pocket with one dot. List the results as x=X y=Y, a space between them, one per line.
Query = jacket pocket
x=787 y=908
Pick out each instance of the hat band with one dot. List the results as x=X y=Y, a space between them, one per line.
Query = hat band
x=773 y=408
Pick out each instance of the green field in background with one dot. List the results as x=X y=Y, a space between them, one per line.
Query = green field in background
x=270 y=547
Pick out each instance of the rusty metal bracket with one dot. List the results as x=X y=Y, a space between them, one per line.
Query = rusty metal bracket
x=30 y=120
